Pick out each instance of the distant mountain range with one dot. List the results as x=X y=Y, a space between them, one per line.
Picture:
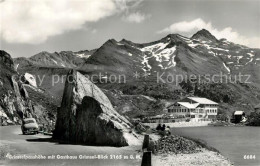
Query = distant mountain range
x=200 y=54
x=174 y=54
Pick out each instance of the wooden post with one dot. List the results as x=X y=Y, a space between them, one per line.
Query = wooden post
x=147 y=159
x=146 y=142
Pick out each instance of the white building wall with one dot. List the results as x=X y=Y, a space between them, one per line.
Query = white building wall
x=201 y=112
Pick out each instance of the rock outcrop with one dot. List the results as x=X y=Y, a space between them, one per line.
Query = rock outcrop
x=86 y=116
x=29 y=79
x=20 y=97
x=15 y=103
x=5 y=59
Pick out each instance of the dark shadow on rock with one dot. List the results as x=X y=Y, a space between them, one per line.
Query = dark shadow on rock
x=27 y=134
x=62 y=142
x=41 y=140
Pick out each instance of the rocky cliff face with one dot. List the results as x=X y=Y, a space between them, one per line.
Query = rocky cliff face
x=6 y=59
x=15 y=104
x=87 y=116
x=14 y=101
x=19 y=96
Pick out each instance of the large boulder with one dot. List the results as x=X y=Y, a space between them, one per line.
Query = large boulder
x=86 y=116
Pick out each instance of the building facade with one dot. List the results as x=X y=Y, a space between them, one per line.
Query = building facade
x=194 y=107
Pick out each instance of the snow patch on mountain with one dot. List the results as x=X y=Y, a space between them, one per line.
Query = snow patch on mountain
x=120 y=44
x=83 y=55
x=155 y=47
x=54 y=61
x=146 y=66
x=211 y=52
x=250 y=54
x=249 y=61
x=208 y=45
x=238 y=58
x=161 y=54
x=193 y=45
x=229 y=56
x=30 y=78
x=226 y=67
x=220 y=49
x=165 y=54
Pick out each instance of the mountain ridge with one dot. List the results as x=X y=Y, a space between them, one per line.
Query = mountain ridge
x=173 y=54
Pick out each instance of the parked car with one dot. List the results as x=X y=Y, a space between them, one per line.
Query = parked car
x=30 y=126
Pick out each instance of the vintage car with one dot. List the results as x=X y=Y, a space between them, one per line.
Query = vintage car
x=29 y=126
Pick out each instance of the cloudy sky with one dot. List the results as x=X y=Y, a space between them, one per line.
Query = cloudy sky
x=30 y=26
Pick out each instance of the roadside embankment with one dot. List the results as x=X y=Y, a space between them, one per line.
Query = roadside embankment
x=204 y=157
x=176 y=150
x=180 y=124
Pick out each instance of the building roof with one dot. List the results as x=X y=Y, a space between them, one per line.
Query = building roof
x=202 y=100
x=239 y=113
x=188 y=105
x=197 y=102
x=257 y=106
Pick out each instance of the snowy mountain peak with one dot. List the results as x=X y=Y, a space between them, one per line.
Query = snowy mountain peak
x=204 y=35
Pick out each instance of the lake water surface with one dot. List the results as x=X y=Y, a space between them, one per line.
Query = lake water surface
x=232 y=142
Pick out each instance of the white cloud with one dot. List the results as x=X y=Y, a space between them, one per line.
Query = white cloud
x=136 y=17
x=193 y=26
x=34 y=21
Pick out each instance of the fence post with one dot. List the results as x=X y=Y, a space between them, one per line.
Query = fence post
x=146 y=142
x=147 y=159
